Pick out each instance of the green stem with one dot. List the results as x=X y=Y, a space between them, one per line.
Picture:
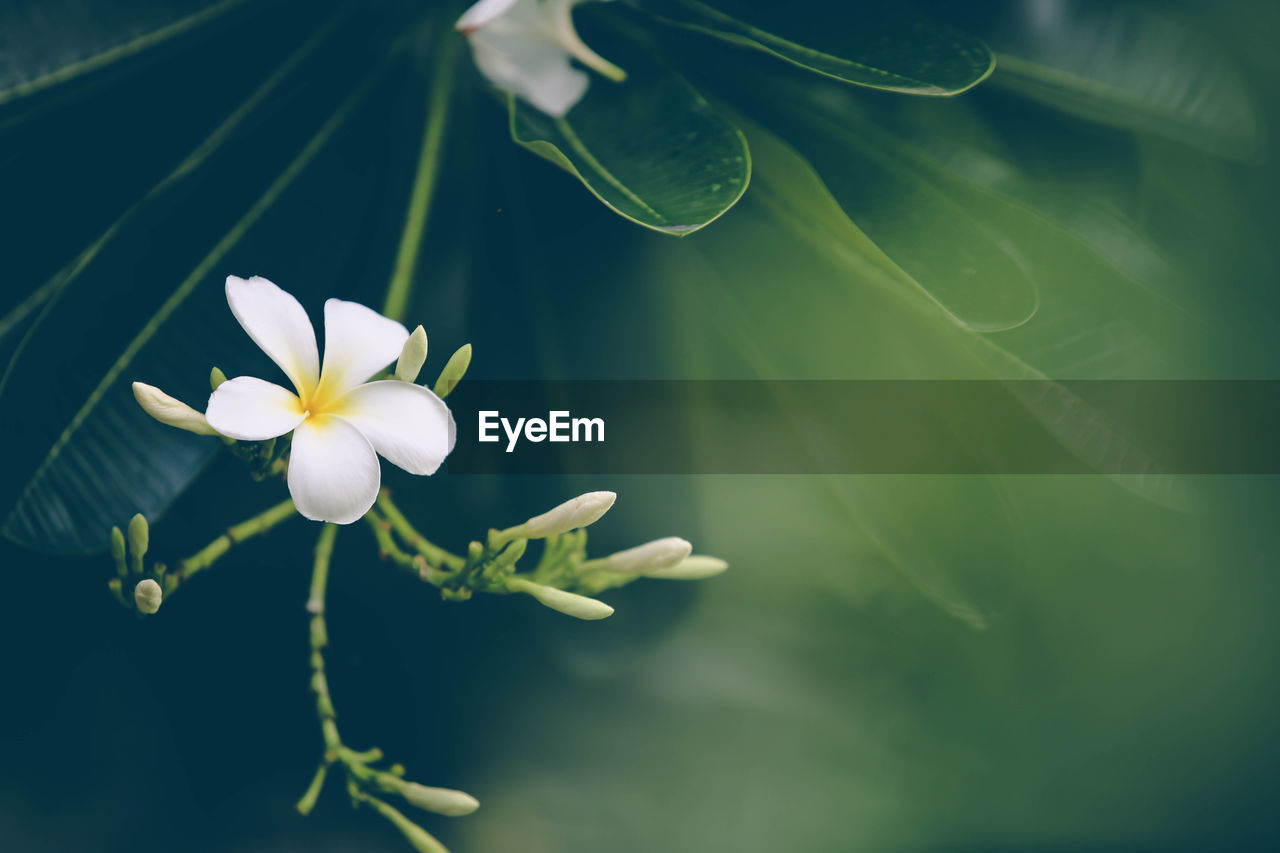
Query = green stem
x=422 y=841
x=389 y=549
x=209 y=554
x=319 y=639
x=424 y=182
x=308 y=801
x=413 y=538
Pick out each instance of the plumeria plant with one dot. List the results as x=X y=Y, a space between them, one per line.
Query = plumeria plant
x=647 y=103
x=324 y=438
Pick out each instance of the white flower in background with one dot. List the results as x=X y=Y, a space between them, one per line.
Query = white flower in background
x=524 y=47
x=340 y=421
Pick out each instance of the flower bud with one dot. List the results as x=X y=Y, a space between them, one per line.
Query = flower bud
x=693 y=568
x=147 y=595
x=419 y=838
x=139 y=535
x=568 y=603
x=445 y=801
x=453 y=371
x=118 y=551
x=169 y=411
x=654 y=556
x=216 y=378
x=570 y=515
x=412 y=356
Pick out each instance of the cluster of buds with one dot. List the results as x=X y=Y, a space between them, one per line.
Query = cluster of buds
x=128 y=553
x=366 y=782
x=563 y=579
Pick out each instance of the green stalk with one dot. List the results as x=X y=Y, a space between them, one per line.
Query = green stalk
x=413 y=538
x=388 y=548
x=424 y=183
x=320 y=639
x=209 y=554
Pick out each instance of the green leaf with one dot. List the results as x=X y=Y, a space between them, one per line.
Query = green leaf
x=651 y=148
x=62 y=39
x=1077 y=334
x=1128 y=67
x=144 y=302
x=955 y=241
x=886 y=47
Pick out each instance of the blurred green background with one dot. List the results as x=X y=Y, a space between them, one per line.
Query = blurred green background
x=892 y=663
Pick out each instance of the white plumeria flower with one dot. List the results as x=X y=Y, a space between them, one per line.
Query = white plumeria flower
x=524 y=47
x=340 y=421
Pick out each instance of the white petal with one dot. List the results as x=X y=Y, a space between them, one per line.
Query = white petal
x=278 y=323
x=358 y=342
x=407 y=424
x=529 y=64
x=249 y=409
x=484 y=12
x=333 y=471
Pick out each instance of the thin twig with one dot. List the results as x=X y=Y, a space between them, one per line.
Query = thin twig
x=209 y=554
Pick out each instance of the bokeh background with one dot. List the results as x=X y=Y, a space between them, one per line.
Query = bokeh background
x=892 y=663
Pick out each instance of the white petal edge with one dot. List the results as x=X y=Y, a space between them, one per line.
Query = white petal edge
x=333 y=471
x=483 y=12
x=251 y=409
x=407 y=424
x=358 y=342
x=279 y=325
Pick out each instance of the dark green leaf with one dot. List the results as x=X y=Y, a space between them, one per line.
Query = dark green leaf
x=1124 y=66
x=651 y=148
x=885 y=47
x=955 y=241
x=1068 y=337
x=144 y=303
x=53 y=41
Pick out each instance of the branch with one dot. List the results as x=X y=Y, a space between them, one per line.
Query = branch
x=209 y=554
x=320 y=639
x=434 y=554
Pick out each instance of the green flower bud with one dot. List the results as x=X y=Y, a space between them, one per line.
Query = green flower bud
x=139 y=535
x=422 y=841
x=511 y=554
x=693 y=568
x=570 y=515
x=147 y=596
x=412 y=356
x=568 y=603
x=453 y=371
x=445 y=801
x=216 y=378
x=118 y=551
x=655 y=556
